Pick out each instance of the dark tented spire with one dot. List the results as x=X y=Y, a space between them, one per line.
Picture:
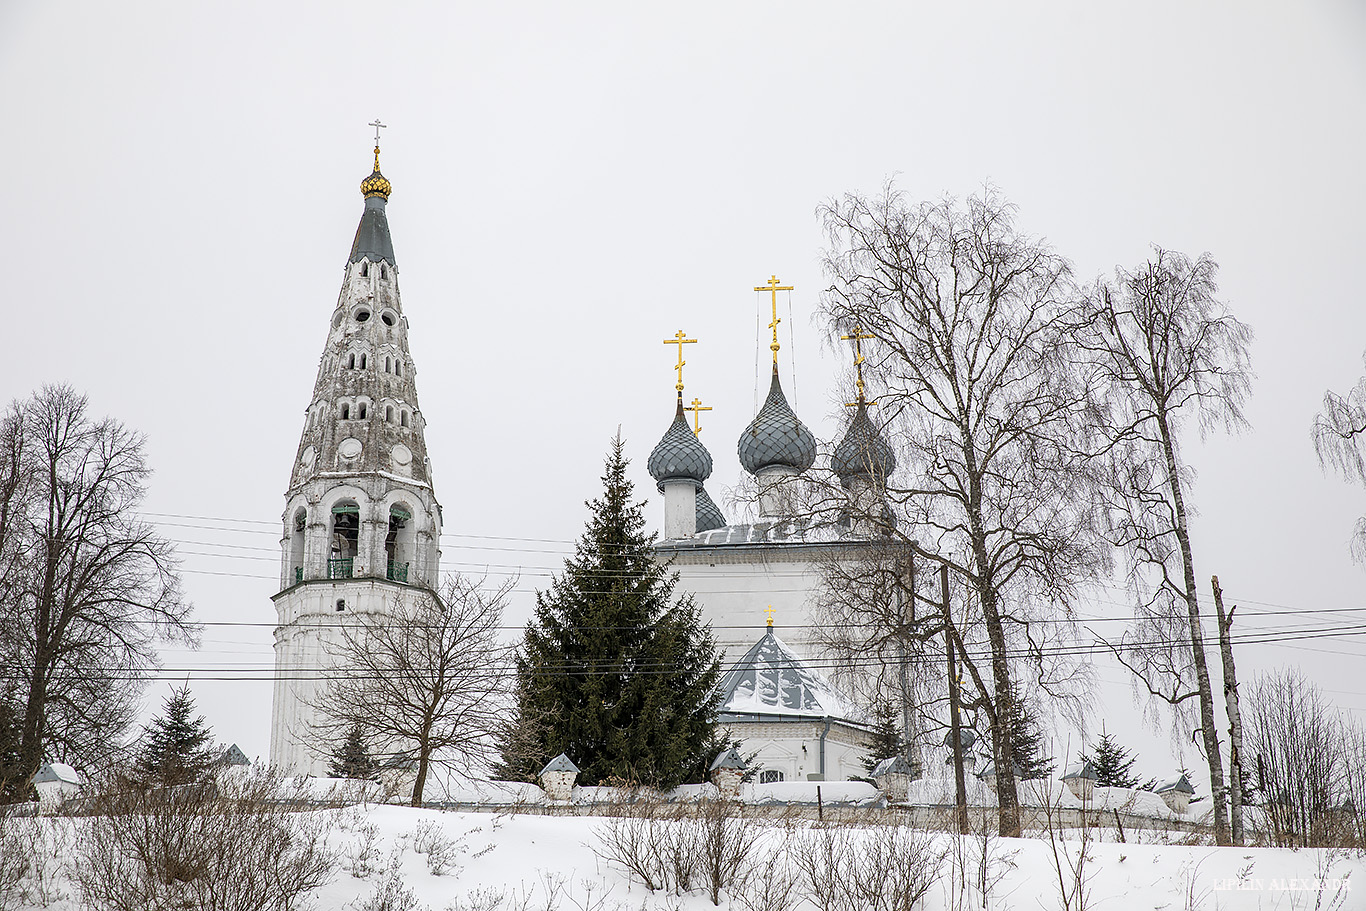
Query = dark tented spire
x=372 y=234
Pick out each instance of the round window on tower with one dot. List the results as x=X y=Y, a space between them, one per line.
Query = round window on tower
x=362 y=314
x=389 y=318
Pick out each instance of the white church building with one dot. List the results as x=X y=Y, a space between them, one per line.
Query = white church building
x=773 y=695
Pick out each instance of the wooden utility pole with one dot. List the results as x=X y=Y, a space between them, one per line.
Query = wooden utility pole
x=1235 y=722
x=955 y=723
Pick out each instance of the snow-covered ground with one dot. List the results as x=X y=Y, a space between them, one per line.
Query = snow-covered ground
x=538 y=861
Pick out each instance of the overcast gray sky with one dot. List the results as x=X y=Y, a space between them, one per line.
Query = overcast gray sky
x=574 y=183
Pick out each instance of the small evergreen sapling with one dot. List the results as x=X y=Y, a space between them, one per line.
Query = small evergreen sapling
x=1113 y=763
x=352 y=758
x=176 y=746
x=887 y=740
x=1027 y=743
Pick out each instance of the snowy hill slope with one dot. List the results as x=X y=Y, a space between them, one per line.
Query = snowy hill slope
x=429 y=859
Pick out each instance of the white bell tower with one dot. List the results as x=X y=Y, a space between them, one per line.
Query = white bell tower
x=361 y=522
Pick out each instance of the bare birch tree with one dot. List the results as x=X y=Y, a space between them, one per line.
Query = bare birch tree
x=86 y=587
x=968 y=322
x=1340 y=442
x=1165 y=351
x=427 y=677
x=1307 y=754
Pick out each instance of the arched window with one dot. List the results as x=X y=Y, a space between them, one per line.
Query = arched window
x=383 y=271
x=362 y=360
x=345 y=539
x=360 y=411
x=351 y=361
x=388 y=414
x=403 y=417
x=345 y=412
x=364 y=268
x=398 y=367
x=296 y=546
x=399 y=543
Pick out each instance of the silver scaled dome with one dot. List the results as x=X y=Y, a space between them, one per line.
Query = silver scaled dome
x=680 y=454
x=776 y=436
x=863 y=453
x=708 y=513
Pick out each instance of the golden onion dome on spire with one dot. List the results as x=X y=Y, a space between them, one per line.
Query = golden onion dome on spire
x=376 y=184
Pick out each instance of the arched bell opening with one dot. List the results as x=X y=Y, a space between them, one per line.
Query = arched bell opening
x=298 y=527
x=399 y=542
x=345 y=537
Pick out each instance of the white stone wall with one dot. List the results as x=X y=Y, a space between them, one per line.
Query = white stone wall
x=734 y=585
x=793 y=748
x=308 y=633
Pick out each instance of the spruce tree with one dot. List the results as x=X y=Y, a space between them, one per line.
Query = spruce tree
x=1027 y=743
x=12 y=776
x=176 y=746
x=613 y=670
x=352 y=758
x=1113 y=763
x=887 y=740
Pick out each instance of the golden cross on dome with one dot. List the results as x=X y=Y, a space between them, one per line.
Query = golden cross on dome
x=773 y=288
x=378 y=126
x=769 y=610
x=697 y=409
x=857 y=336
x=680 y=340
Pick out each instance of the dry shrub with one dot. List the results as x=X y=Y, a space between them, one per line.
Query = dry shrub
x=360 y=857
x=441 y=851
x=885 y=868
x=723 y=840
x=236 y=846
x=391 y=892
x=768 y=885
x=16 y=835
x=636 y=840
x=667 y=847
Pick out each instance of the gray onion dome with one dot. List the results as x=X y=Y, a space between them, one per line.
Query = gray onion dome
x=776 y=436
x=863 y=453
x=680 y=454
x=708 y=513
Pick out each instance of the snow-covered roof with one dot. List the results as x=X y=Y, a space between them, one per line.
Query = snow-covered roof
x=772 y=680
x=1079 y=770
x=233 y=755
x=728 y=759
x=897 y=765
x=560 y=763
x=1179 y=783
x=58 y=772
x=784 y=531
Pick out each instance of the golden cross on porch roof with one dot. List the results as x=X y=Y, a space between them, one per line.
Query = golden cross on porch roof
x=773 y=288
x=680 y=340
x=857 y=336
x=697 y=408
x=769 y=610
